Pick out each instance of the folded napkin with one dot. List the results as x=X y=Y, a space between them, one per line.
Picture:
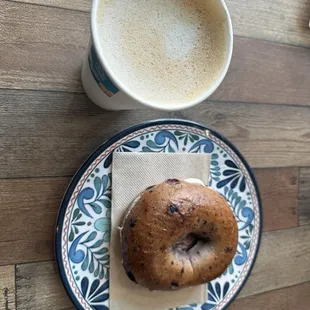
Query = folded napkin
x=131 y=174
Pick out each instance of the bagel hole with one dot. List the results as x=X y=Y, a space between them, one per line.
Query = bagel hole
x=190 y=242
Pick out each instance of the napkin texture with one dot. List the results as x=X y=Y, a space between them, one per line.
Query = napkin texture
x=131 y=174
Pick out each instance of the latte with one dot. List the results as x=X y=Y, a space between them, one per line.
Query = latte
x=163 y=51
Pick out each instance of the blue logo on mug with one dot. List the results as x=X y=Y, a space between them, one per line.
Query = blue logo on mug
x=99 y=74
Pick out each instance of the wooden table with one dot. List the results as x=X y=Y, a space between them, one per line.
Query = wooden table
x=48 y=127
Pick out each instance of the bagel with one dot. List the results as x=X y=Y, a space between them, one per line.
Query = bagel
x=178 y=234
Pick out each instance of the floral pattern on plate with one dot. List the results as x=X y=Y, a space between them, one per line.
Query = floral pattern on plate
x=84 y=223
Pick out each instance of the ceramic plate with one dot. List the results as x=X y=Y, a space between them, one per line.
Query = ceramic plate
x=83 y=227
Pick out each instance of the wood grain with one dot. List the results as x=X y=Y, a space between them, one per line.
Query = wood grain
x=266 y=72
x=79 y=5
x=67 y=129
x=304 y=196
x=49 y=57
x=28 y=223
x=28 y=210
x=283 y=21
x=283 y=260
x=41 y=47
x=279 y=193
x=7 y=288
x=39 y=287
x=294 y=297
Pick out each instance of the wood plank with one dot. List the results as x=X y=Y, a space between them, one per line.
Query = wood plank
x=49 y=57
x=267 y=72
x=294 y=297
x=80 y=5
x=279 y=193
x=28 y=215
x=39 y=287
x=67 y=129
x=47 y=46
x=283 y=260
x=304 y=196
x=283 y=21
x=7 y=288
x=28 y=223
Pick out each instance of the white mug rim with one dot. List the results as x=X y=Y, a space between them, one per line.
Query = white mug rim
x=166 y=107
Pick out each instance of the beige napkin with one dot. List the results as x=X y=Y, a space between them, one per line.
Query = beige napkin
x=131 y=174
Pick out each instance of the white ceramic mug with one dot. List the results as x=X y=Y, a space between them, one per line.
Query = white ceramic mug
x=104 y=89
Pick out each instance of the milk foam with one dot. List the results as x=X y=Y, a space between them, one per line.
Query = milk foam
x=164 y=51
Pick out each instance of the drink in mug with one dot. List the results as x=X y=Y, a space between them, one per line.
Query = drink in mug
x=165 y=54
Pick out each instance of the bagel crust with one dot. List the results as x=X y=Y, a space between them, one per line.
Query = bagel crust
x=178 y=234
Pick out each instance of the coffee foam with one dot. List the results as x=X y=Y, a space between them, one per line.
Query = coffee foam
x=166 y=52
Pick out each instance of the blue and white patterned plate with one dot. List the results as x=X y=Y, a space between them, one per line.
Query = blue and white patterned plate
x=83 y=226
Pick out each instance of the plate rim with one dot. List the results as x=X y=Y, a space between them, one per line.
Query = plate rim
x=80 y=171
